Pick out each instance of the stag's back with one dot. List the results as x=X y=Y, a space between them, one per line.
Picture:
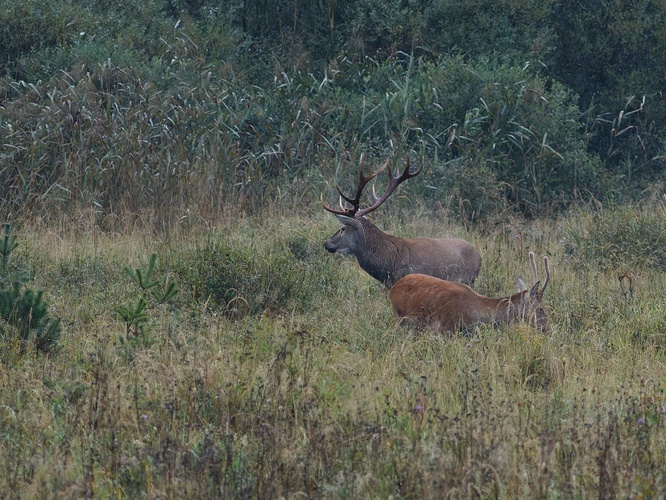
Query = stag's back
x=388 y=258
x=449 y=259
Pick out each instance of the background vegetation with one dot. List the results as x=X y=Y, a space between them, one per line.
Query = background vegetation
x=172 y=107
x=188 y=143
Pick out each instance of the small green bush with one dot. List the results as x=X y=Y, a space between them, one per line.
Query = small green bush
x=243 y=280
x=153 y=293
x=24 y=315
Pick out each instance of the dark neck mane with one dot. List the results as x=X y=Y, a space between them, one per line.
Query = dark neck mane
x=381 y=251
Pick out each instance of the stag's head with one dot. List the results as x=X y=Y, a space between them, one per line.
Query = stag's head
x=531 y=310
x=347 y=239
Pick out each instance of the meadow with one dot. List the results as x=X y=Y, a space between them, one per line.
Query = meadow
x=171 y=326
x=278 y=370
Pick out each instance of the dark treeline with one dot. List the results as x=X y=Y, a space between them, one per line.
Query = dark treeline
x=170 y=105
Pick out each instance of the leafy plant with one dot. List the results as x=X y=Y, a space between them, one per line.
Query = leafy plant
x=153 y=293
x=24 y=314
x=248 y=279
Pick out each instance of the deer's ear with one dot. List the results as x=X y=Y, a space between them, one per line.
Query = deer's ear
x=346 y=220
x=535 y=289
x=520 y=284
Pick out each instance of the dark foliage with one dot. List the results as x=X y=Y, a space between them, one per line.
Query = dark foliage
x=172 y=105
x=243 y=280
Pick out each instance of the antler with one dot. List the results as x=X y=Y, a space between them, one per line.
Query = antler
x=356 y=201
x=394 y=182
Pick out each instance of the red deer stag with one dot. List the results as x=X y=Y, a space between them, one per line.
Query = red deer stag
x=448 y=306
x=388 y=258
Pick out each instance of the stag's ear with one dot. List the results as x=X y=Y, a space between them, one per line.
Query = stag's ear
x=346 y=220
x=520 y=284
x=535 y=289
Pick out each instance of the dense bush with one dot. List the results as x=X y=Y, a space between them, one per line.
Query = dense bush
x=177 y=106
x=519 y=145
x=244 y=280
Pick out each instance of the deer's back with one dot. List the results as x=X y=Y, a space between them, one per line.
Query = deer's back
x=448 y=258
x=427 y=300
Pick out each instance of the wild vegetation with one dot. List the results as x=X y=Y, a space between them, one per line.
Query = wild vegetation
x=171 y=326
x=174 y=107
x=278 y=371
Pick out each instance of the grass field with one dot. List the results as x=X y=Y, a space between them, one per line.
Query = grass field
x=278 y=372
x=171 y=326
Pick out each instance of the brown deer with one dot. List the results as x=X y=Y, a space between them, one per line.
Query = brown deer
x=448 y=306
x=388 y=258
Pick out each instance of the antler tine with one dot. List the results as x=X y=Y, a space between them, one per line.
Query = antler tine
x=534 y=268
x=332 y=210
x=545 y=263
x=394 y=182
x=356 y=201
x=363 y=180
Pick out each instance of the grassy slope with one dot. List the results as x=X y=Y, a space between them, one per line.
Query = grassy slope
x=320 y=394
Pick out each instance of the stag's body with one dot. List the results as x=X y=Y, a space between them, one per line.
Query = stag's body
x=388 y=258
x=447 y=306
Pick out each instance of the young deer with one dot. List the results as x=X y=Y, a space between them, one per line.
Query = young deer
x=448 y=306
x=388 y=258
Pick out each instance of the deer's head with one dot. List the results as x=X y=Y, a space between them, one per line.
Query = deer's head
x=346 y=239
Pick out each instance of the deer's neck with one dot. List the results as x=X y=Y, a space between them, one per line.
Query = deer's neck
x=504 y=310
x=379 y=253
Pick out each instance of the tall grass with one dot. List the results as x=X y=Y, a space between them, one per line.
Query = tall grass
x=316 y=392
x=182 y=136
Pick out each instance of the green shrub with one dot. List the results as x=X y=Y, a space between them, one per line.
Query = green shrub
x=24 y=315
x=244 y=280
x=525 y=132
